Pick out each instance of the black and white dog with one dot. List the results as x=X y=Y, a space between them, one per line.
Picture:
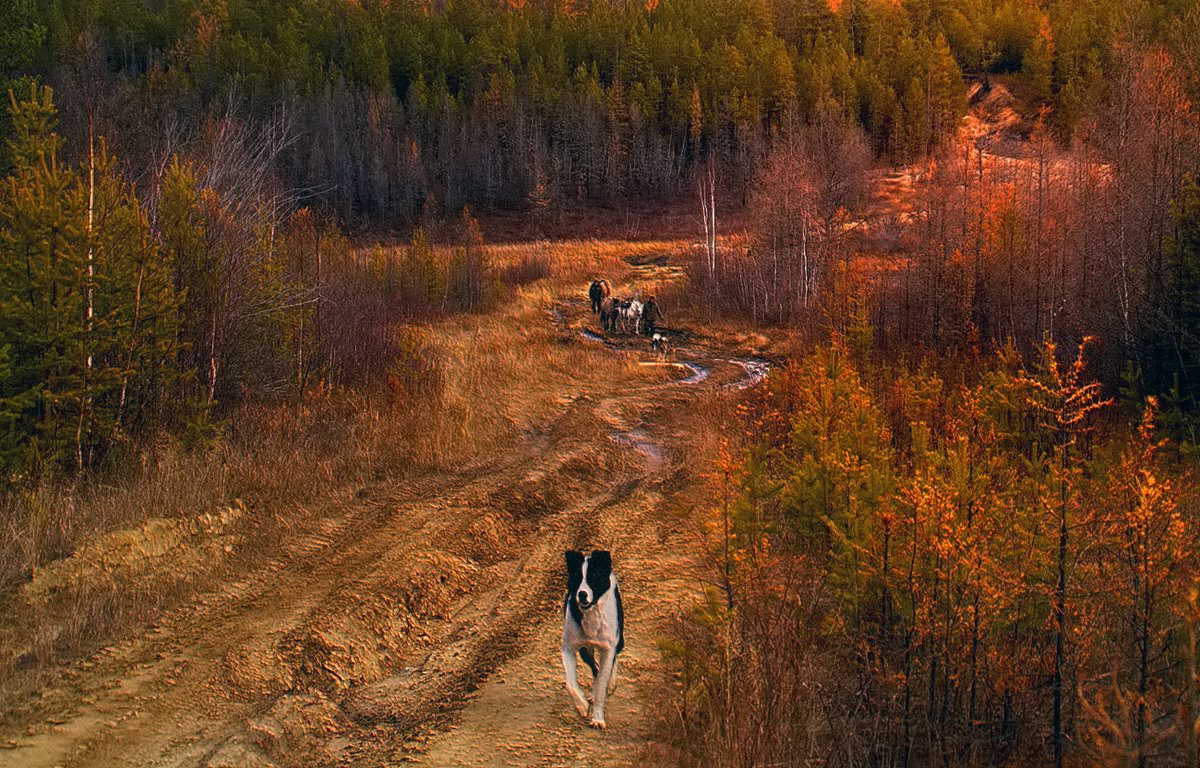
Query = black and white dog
x=593 y=627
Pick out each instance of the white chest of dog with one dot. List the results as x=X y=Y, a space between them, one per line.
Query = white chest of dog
x=593 y=628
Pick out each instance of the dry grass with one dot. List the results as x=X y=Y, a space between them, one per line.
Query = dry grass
x=105 y=587
x=578 y=262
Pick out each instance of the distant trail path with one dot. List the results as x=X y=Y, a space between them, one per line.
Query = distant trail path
x=418 y=620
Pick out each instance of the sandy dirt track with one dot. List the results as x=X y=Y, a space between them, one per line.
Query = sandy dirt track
x=418 y=620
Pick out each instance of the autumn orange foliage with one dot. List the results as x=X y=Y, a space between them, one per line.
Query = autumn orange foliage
x=988 y=570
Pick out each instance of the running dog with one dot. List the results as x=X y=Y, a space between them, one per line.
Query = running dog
x=593 y=627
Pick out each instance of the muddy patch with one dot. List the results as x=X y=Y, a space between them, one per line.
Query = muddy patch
x=699 y=373
x=532 y=497
x=297 y=730
x=357 y=634
x=641 y=442
x=488 y=539
x=587 y=470
x=756 y=370
x=427 y=692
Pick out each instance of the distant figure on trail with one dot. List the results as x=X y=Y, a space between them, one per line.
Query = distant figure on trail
x=598 y=292
x=651 y=314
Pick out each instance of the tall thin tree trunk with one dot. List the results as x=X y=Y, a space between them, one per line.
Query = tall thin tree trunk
x=1142 y=575
x=712 y=205
x=137 y=311
x=704 y=218
x=1039 y=251
x=317 y=314
x=212 y=360
x=85 y=404
x=1191 y=683
x=1060 y=610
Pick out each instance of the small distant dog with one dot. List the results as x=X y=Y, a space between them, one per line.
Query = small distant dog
x=660 y=344
x=593 y=627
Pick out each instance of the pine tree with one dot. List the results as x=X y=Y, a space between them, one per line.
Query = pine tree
x=42 y=285
x=182 y=229
x=1150 y=547
x=73 y=379
x=136 y=327
x=13 y=407
x=1063 y=406
x=946 y=97
x=1037 y=65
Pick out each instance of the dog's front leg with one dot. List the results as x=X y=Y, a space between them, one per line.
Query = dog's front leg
x=569 y=664
x=606 y=660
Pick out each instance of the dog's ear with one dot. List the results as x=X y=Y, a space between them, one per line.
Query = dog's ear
x=574 y=560
x=602 y=560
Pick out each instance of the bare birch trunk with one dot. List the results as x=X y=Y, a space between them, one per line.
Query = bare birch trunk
x=85 y=403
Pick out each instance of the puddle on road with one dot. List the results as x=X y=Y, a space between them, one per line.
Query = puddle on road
x=756 y=371
x=641 y=442
x=699 y=373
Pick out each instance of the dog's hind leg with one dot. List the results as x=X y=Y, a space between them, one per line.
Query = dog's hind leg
x=612 y=679
x=577 y=696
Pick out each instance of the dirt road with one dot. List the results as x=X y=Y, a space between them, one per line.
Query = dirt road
x=418 y=619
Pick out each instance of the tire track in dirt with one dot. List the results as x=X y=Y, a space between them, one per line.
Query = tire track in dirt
x=428 y=699
x=521 y=714
x=507 y=706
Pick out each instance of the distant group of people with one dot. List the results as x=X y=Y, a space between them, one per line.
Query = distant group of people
x=628 y=315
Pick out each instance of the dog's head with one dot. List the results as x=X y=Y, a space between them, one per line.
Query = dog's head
x=588 y=576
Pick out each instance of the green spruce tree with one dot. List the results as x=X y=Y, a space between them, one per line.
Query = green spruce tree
x=42 y=289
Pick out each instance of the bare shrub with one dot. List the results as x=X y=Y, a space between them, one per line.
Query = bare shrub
x=803 y=206
x=756 y=682
x=357 y=342
x=531 y=268
x=468 y=270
